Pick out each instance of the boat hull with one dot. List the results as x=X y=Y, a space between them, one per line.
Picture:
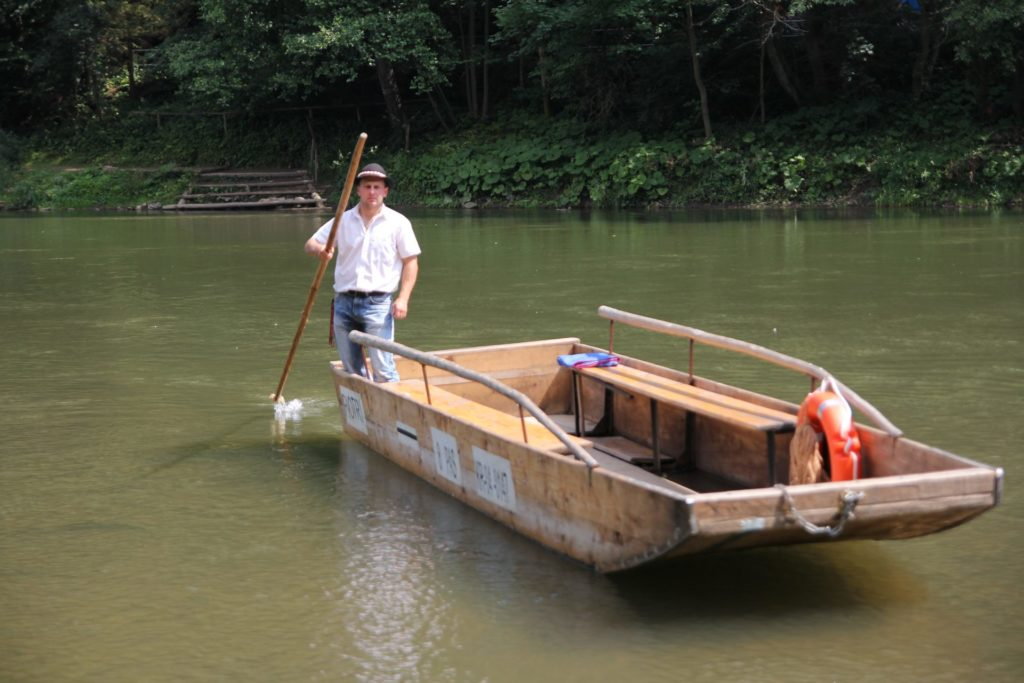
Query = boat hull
x=616 y=516
x=549 y=497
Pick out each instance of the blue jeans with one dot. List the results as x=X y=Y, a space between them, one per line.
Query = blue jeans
x=372 y=315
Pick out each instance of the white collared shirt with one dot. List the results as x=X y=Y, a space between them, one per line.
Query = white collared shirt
x=369 y=258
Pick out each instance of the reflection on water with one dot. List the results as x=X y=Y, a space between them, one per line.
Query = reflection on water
x=158 y=522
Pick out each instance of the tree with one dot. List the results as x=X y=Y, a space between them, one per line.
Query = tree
x=246 y=55
x=988 y=39
x=603 y=60
x=691 y=36
x=62 y=58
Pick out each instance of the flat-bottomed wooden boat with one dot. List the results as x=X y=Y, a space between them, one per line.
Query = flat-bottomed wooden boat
x=631 y=463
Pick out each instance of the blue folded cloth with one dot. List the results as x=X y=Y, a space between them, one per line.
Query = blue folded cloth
x=588 y=360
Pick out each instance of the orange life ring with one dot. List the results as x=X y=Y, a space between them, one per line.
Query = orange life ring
x=829 y=414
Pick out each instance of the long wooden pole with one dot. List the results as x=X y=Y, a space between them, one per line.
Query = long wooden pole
x=342 y=204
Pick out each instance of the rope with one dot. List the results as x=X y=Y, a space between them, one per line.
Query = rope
x=847 y=503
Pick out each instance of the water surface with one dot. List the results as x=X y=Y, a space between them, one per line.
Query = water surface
x=158 y=524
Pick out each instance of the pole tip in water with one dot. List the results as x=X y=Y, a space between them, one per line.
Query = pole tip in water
x=292 y=410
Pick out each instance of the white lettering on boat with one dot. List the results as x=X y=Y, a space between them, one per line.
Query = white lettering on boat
x=352 y=408
x=753 y=524
x=494 y=479
x=446 y=456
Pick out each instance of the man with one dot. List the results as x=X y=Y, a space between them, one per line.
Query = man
x=377 y=255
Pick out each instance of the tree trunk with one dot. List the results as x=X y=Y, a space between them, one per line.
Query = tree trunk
x=486 y=64
x=1018 y=90
x=437 y=112
x=543 y=82
x=95 y=94
x=470 y=53
x=132 y=91
x=812 y=41
x=929 y=41
x=760 y=85
x=446 y=107
x=392 y=97
x=769 y=21
x=314 y=160
x=691 y=36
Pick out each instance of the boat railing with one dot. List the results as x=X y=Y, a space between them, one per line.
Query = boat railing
x=522 y=400
x=816 y=373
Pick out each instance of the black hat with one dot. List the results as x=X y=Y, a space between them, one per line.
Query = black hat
x=374 y=171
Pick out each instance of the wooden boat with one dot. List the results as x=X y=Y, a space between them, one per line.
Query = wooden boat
x=625 y=465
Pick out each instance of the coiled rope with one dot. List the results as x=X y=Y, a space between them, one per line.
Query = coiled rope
x=847 y=504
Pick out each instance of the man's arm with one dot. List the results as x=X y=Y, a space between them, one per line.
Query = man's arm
x=315 y=248
x=410 y=269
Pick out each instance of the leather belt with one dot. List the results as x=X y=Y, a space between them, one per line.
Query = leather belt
x=356 y=294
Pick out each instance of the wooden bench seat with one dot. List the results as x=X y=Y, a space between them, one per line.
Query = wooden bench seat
x=734 y=411
x=506 y=426
x=693 y=400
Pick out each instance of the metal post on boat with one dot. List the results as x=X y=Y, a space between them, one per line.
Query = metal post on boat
x=426 y=384
x=655 y=437
x=611 y=335
x=522 y=421
x=691 y=361
x=366 y=364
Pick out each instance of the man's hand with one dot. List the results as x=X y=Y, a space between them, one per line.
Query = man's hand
x=314 y=248
x=400 y=308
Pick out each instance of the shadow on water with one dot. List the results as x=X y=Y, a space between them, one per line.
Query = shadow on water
x=281 y=438
x=193 y=449
x=770 y=582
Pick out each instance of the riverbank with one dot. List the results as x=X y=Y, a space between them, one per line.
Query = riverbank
x=96 y=187
x=826 y=158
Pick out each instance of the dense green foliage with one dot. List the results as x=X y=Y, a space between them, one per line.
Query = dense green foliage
x=94 y=188
x=837 y=159
x=553 y=102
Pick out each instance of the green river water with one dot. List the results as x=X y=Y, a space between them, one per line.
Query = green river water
x=158 y=524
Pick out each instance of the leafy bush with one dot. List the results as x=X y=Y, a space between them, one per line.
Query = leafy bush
x=825 y=156
x=870 y=152
x=94 y=188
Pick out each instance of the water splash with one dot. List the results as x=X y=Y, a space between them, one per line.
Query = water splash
x=292 y=410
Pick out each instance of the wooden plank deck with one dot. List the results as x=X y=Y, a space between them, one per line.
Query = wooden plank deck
x=504 y=425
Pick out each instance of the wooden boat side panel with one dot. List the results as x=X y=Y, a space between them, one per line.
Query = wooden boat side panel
x=891 y=508
x=887 y=456
x=739 y=455
x=601 y=517
x=528 y=367
x=494 y=359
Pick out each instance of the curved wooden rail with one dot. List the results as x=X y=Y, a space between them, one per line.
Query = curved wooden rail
x=746 y=348
x=521 y=399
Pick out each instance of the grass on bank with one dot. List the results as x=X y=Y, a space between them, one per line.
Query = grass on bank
x=93 y=188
